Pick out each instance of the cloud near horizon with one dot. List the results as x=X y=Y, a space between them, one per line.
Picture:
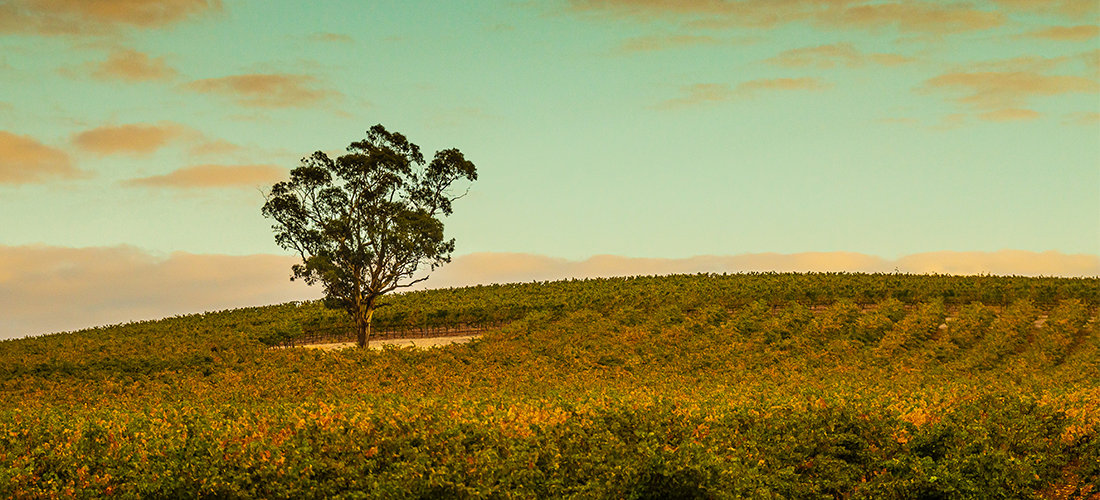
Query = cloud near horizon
x=25 y=160
x=213 y=176
x=46 y=289
x=281 y=90
x=98 y=17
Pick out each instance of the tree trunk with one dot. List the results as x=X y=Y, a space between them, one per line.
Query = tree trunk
x=361 y=332
x=362 y=327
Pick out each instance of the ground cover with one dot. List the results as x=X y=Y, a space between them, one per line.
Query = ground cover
x=746 y=386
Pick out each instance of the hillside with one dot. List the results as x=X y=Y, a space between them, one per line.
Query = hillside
x=696 y=386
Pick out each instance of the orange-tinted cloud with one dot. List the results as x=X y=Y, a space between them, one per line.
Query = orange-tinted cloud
x=24 y=160
x=750 y=88
x=906 y=16
x=828 y=56
x=213 y=176
x=1069 y=8
x=913 y=17
x=699 y=93
x=655 y=43
x=266 y=90
x=999 y=90
x=331 y=37
x=96 y=17
x=133 y=139
x=1086 y=118
x=131 y=66
x=702 y=93
x=1082 y=33
x=46 y=289
x=1009 y=114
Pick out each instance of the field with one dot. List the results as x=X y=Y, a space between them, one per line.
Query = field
x=695 y=386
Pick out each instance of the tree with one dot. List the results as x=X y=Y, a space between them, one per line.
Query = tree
x=365 y=222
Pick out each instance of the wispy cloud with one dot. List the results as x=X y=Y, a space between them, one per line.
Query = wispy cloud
x=45 y=289
x=212 y=176
x=1082 y=33
x=704 y=93
x=1003 y=89
x=131 y=66
x=989 y=90
x=908 y=17
x=1009 y=114
x=752 y=87
x=97 y=17
x=280 y=90
x=1068 y=8
x=213 y=147
x=829 y=56
x=1086 y=118
x=25 y=160
x=652 y=43
x=331 y=37
x=139 y=139
x=912 y=17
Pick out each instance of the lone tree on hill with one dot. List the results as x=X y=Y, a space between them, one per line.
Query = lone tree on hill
x=365 y=222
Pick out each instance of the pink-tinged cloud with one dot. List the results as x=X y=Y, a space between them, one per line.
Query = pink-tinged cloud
x=97 y=17
x=488 y=267
x=999 y=90
x=131 y=66
x=704 y=93
x=1003 y=262
x=213 y=176
x=266 y=90
x=906 y=16
x=133 y=139
x=829 y=56
x=24 y=160
x=1082 y=33
x=46 y=289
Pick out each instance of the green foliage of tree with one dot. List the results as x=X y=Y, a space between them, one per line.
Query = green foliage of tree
x=365 y=222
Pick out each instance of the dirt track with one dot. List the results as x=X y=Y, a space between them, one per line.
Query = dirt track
x=423 y=343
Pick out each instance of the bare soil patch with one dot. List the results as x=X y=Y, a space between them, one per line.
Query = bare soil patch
x=419 y=343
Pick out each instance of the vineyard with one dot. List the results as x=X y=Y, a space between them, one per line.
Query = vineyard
x=808 y=386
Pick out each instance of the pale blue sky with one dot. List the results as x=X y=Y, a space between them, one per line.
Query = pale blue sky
x=598 y=127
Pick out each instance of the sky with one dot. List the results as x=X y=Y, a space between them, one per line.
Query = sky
x=138 y=137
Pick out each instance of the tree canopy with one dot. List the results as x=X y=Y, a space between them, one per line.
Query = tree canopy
x=365 y=222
